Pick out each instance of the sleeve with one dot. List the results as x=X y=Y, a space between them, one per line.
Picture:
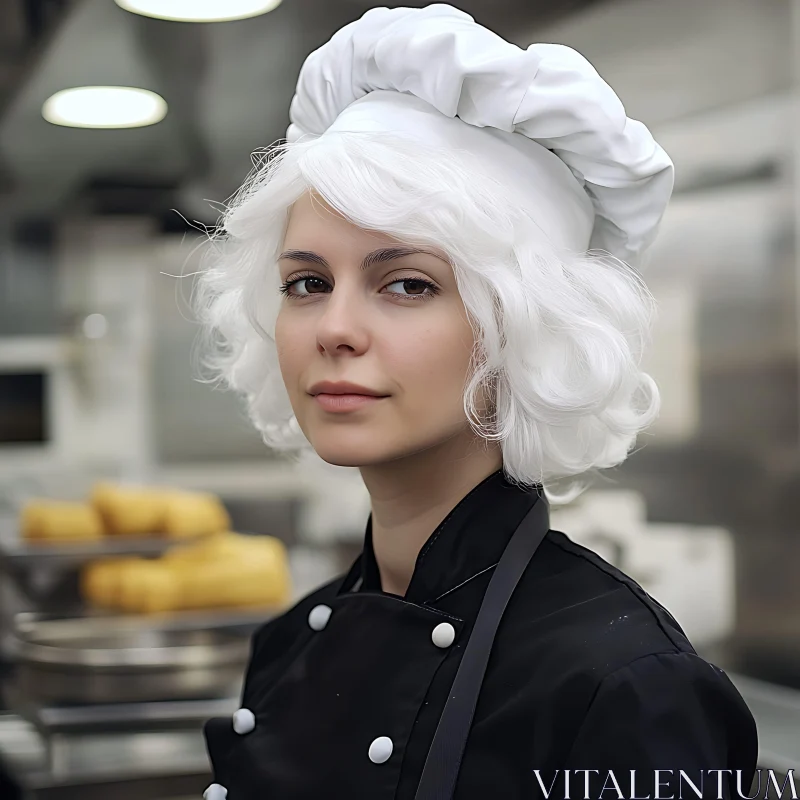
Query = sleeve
x=660 y=721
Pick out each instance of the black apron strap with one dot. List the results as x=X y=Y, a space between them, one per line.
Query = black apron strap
x=441 y=768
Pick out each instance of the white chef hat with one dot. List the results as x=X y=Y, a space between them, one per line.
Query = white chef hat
x=549 y=126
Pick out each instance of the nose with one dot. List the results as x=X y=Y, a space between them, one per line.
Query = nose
x=342 y=324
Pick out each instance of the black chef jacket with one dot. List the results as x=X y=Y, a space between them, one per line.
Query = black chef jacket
x=344 y=691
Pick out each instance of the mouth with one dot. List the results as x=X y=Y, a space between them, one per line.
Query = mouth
x=346 y=402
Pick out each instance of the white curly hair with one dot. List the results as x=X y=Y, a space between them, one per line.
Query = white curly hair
x=559 y=336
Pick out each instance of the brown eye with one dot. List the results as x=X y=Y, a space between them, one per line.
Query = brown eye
x=414 y=287
x=313 y=285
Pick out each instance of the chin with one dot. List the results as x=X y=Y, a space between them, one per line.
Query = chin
x=358 y=446
x=368 y=448
x=340 y=454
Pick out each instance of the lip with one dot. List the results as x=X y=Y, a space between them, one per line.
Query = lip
x=342 y=403
x=342 y=388
x=343 y=396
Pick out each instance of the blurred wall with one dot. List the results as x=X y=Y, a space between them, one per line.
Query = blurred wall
x=714 y=81
x=193 y=421
x=28 y=299
x=683 y=57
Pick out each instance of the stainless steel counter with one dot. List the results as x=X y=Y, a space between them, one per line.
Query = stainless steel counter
x=153 y=764
x=777 y=713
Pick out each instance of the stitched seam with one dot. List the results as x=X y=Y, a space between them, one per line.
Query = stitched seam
x=436 y=599
x=400 y=600
x=444 y=522
x=574 y=605
x=620 y=580
x=606 y=678
x=449 y=517
x=450 y=654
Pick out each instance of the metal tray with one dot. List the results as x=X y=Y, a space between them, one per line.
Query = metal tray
x=17 y=554
x=47 y=574
x=127 y=659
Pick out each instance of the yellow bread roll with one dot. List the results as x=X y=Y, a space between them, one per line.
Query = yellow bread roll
x=100 y=581
x=191 y=514
x=149 y=587
x=54 y=521
x=221 y=570
x=204 y=547
x=226 y=584
x=130 y=510
x=225 y=570
x=222 y=545
x=160 y=588
x=161 y=593
x=255 y=571
x=142 y=511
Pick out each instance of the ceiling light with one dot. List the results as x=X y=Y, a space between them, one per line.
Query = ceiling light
x=105 y=107
x=199 y=10
x=95 y=326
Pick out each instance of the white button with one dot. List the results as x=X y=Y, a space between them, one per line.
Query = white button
x=381 y=749
x=244 y=721
x=444 y=634
x=215 y=792
x=319 y=616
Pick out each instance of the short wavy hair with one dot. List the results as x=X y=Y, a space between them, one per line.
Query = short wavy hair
x=559 y=335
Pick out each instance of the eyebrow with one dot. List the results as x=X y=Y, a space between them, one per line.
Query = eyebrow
x=375 y=257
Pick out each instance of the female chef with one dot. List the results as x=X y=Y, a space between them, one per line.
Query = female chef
x=433 y=279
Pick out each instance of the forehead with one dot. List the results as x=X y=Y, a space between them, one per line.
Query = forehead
x=313 y=223
x=311 y=214
x=311 y=202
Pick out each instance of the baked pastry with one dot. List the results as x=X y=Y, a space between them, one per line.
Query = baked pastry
x=130 y=510
x=55 y=521
x=100 y=581
x=190 y=514
x=221 y=570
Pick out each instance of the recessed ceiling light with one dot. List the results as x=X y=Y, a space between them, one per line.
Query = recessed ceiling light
x=199 y=10
x=104 y=107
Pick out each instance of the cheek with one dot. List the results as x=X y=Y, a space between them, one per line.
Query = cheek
x=288 y=343
x=435 y=362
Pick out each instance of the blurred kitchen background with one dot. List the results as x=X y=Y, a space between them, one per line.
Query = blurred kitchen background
x=104 y=695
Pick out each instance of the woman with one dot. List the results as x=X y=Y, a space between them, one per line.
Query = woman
x=432 y=281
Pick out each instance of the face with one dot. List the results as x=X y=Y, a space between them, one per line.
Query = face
x=362 y=308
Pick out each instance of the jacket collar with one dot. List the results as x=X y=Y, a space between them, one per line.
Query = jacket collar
x=469 y=541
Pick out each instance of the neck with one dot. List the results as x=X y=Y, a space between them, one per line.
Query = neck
x=411 y=496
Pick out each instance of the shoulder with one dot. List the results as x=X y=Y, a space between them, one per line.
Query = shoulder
x=587 y=642
x=669 y=682
x=582 y=598
x=671 y=710
x=576 y=619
